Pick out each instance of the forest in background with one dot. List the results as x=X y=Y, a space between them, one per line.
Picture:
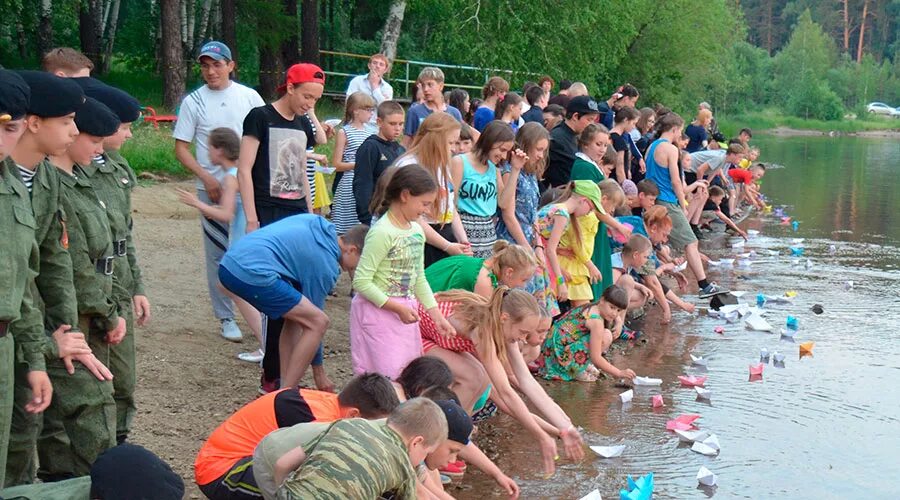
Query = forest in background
x=811 y=59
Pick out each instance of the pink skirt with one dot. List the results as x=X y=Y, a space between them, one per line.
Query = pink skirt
x=379 y=341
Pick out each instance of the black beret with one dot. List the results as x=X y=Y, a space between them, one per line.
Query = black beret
x=129 y=472
x=14 y=96
x=94 y=118
x=126 y=107
x=52 y=96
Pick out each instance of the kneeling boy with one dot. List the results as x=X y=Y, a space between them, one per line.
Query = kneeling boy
x=224 y=466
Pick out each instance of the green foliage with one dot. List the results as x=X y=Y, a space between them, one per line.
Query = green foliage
x=153 y=150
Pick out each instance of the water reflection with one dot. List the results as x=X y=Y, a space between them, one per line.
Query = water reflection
x=813 y=426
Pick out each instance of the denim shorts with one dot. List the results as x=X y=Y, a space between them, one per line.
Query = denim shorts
x=273 y=300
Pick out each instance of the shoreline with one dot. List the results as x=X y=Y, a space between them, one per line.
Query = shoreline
x=795 y=132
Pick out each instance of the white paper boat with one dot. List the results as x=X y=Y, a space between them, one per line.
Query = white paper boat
x=732 y=317
x=848 y=285
x=704 y=449
x=787 y=332
x=797 y=241
x=698 y=360
x=741 y=309
x=757 y=323
x=727 y=262
x=680 y=267
x=752 y=232
x=647 y=381
x=738 y=293
x=715 y=263
x=702 y=392
x=778 y=357
x=745 y=263
x=773 y=252
x=626 y=396
x=809 y=263
x=764 y=354
x=691 y=436
x=779 y=299
x=713 y=442
x=745 y=255
x=832 y=249
x=704 y=477
x=737 y=245
x=609 y=451
x=594 y=495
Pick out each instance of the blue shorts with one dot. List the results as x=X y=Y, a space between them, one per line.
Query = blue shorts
x=273 y=300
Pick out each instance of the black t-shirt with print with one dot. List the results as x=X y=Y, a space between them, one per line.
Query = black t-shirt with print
x=279 y=168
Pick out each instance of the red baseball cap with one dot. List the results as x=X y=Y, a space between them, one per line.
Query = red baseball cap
x=303 y=73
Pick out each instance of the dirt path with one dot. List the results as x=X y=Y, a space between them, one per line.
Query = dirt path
x=189 y=379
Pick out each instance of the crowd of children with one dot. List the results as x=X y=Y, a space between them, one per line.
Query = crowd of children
x=518 y=241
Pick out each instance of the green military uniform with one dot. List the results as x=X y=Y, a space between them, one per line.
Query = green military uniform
x=56 y=291
x=113 y=181
x=355 y=458
x=18 y=260
x=80 y=423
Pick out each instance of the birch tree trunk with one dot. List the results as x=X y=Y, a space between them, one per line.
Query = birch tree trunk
x=392 y=28
x=204 y=26
x=45 y=27
x=112 y=26
x=172 y=61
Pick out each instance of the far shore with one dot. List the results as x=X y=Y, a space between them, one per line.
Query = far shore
x=794 y=132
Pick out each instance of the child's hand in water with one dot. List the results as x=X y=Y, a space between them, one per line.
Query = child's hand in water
x=548 y=454
x=627 y=373
x=572 y=443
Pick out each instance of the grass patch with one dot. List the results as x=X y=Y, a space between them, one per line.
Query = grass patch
x=770 y=119
x=152 y=150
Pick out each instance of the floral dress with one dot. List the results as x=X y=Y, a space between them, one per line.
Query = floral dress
x=567 y=349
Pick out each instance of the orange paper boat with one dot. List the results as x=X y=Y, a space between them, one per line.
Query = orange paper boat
x=806 y=347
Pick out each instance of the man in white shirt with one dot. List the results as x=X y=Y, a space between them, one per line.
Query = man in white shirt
x=219 y=103
x=373 y=83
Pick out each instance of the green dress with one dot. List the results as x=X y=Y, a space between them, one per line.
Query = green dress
x=567 y=349
x=584 y=170
x=457 y=272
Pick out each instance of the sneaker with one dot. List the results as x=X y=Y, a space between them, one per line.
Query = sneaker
x=230 y=331
x=267 y=386
x=252 y=357
x=454 y=469
x=698 y=233
x=629 y=334
x=711 y=290
x=489 y=410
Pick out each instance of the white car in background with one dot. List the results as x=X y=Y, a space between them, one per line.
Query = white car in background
x=880 y=108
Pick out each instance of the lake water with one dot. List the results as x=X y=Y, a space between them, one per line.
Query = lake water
x=825 y=426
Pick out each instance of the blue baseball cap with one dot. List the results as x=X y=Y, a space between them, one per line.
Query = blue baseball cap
x=217 y=50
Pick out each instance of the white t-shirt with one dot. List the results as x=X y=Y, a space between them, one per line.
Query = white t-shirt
x=445 y=191
x=715 y=158
x=204 y=110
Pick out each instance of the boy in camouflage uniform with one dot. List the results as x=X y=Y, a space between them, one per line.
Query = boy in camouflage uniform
x=360 y=459
x=113 y=181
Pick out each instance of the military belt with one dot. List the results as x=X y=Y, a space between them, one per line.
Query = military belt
x=120 y=248
x=105 y=265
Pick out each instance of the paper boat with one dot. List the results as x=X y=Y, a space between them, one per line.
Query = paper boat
x=705 y=477
x=730 y=318
x=755 y=322
x=796 y=251
x=848 y=285
x=792 y=324
x=657 y=401
x=594 y=495
x=704 y=449
x=639 y=489
x=608 y=451
x=727 y=262
x=757 y=369
x=796 y=241
x=737 y=293
x=832 y=249
x=806 y=347
x=703 y=393
x=626 y=396
x=746 y=255
x=752 y=232
x=698 y=360
x=713 y=442
x=737 y=245
x=764 y=354
x=790 y=294
x=788 y=333
x=683 y=422
x=691 y=436
x=692 y=380
x=778 y=357
x=680 y=267
x=647 y=381
x=809 y=263
x=785 y=221
x=779 y=299
x=741 y=309
x=745 y=263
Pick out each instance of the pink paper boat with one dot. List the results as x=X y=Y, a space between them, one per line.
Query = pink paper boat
x=657 y=401
x=692 y=380
x=682 y=422
x=757 y=369
x=719 y=329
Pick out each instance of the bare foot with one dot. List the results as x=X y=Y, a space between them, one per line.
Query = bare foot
x=323 y=383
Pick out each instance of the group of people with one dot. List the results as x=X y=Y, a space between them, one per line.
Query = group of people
x=73 y=289
x=487 y=242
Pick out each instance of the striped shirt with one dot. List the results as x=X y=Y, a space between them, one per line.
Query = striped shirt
x=343 y=210
x=27 y=176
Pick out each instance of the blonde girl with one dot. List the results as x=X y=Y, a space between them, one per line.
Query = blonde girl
x=489 y=331
x=354 y=130
x=431 y=149
x=390 y=280
x=509 y=265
